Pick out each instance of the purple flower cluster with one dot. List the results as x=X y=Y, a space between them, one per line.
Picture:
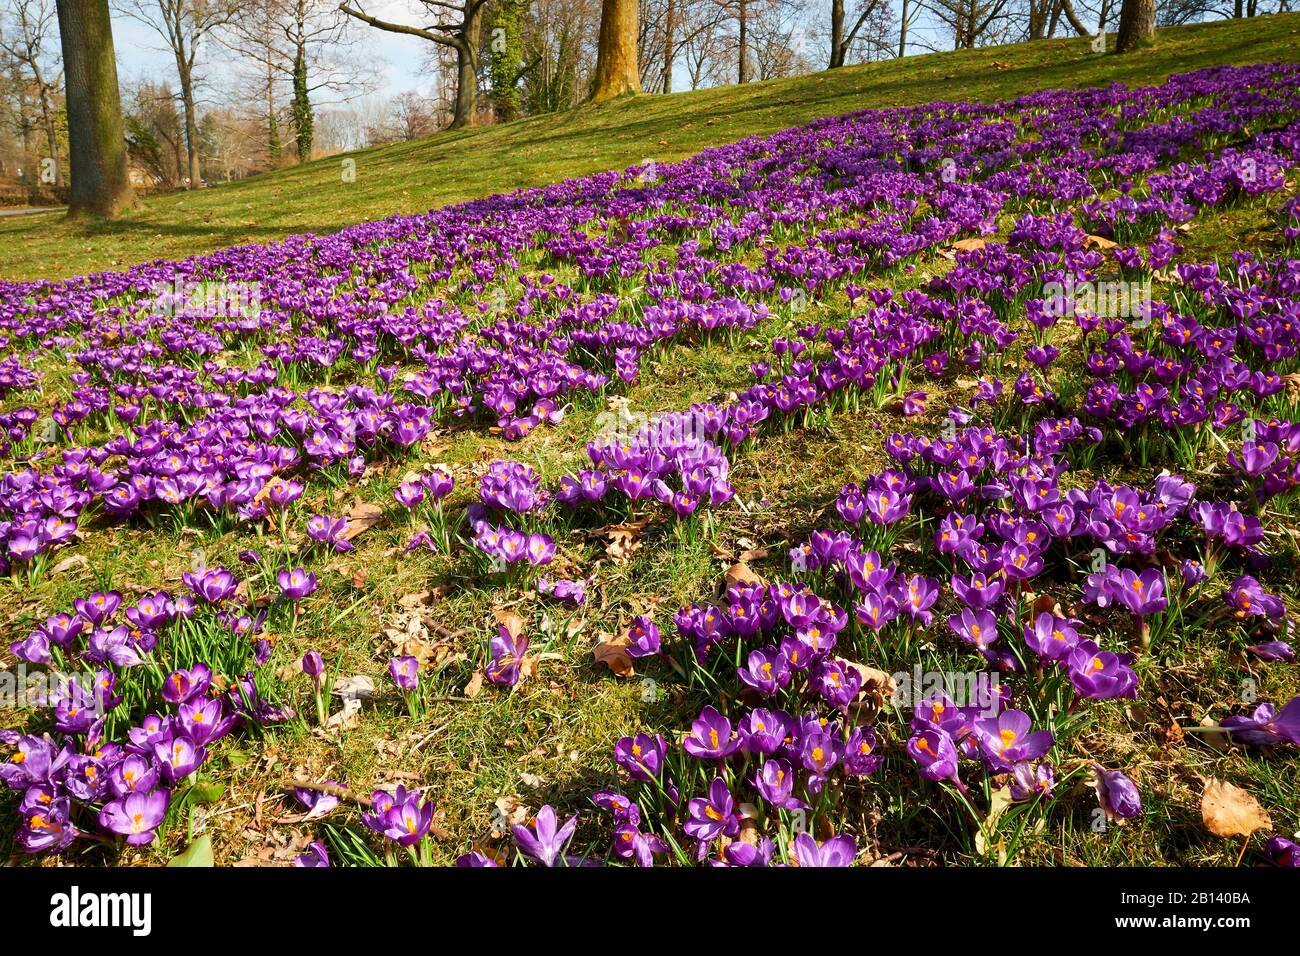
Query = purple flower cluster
x=105 y=767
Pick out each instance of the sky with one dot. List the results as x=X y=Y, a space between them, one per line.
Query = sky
x=142 y=52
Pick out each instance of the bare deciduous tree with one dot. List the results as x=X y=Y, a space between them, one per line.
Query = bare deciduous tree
x=27 y=30
x=184 y=25
x=842 y=41
x=972 y=23
x=305 y=46
x=460 y=35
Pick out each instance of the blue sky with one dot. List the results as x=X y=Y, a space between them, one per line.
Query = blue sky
x=142 y=53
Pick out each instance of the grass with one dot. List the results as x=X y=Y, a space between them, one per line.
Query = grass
x=451 y=167
x=551 y=741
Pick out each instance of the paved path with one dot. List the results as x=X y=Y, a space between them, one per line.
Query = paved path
x=29 y=210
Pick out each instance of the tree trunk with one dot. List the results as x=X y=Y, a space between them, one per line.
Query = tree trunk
x=47 y=120
x=670 y=33
x=195 y=172
x=616 y=57
x=466 y=88
x=1038 y=18
x=272 y=124
x=101 y=185
x=1137 y=25
x=467 y=73
x=302 y=116
x=742 y=18
x=837 y=34
x=902 y=31
x=51 y=139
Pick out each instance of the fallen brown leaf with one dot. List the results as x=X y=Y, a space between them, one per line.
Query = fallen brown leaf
x=613 y=654
x=1230 y=811
x=740 y=574
x=67 y=564
x=508 y=812
x=346 y=719
x=624 y=539
x=363 y=517
x=508 y=619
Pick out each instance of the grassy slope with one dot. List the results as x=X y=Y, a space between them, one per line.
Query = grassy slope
x=413 y=177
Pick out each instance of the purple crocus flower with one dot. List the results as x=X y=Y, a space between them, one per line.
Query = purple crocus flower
x=631 y=843
x=1143 y=594
x=775 y=782
x=711 y=736
x=975 y=627
x=405 y=672
x=184 y=685
x=47 y=827
x=539 y=549
x=296 y=584
x=641 y=756
x=1117 y=794
x=543 y=841
x=1283 y=852
x=316 y=856
x=178 y=758
x=836 y=851
x=1267 y=725
x=1052 y=638
x=318 y=804
x=766 y=672
x=914 y=404
x=1247 y=597
x=1273 y=651
x=475 y=859
x=712 y=816
x=1029 y=780
x=400 y=816
x=860 y=757
x=838 y=683
x=313 y=665
x=507 y=653
x=935 y=755
x=135 y=816
x=919 y=596
x=1010 y=738
x=643 y=638
x=623 y=809
x=212 y=585
x=1100 y=675
x=98 y=607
